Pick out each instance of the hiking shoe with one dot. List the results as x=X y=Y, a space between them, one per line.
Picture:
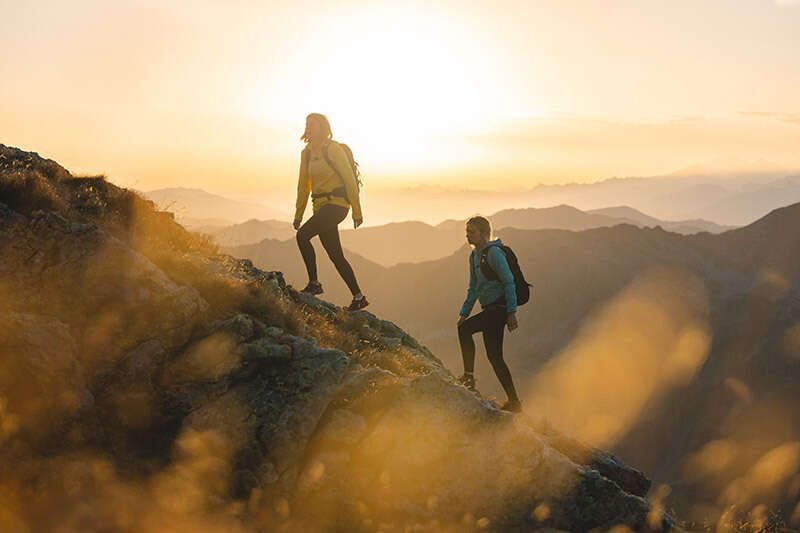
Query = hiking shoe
x=358 y=303
x=468 y=380
x=512 y=406
x=313 y=287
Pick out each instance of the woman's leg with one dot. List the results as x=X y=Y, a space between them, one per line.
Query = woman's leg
x=493 y=340
x=466 y=330
x=329 y=235
x=308 y=230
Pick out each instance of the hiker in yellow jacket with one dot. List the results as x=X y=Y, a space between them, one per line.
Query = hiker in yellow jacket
x=326 y=173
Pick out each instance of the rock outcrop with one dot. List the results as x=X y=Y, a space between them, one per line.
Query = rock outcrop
x=149 y=382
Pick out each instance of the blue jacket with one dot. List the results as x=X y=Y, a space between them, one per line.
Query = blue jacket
x=489 y=291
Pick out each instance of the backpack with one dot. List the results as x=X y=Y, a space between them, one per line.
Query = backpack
x=353 y=163
x=522 y=286
x=349 y=153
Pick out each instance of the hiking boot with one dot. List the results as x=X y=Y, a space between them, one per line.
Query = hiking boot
x=468 y=380
x=512 y=406
x=358 y=303
x=313 y=287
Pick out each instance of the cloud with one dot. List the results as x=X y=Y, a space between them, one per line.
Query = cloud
x=792 y=118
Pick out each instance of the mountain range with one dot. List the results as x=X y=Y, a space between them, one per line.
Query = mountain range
x=727 y=192
x=414 y=241
x=722 y=195
x=198 y=208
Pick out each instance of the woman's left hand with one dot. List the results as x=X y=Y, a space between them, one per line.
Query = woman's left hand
x=511 y=321
x=357 y=222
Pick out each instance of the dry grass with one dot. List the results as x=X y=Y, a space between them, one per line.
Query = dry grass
x=26 y=192
x=330 y=333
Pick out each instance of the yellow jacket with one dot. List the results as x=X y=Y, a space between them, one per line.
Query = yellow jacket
x=318 y=177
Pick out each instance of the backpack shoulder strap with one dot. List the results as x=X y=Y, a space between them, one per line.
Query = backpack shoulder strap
x=328 y=159
x=485 y=251
x=325 y=148
x=485 y=261
x=305 y=158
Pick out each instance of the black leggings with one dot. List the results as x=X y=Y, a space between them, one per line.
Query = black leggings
x=325 y=223
x=490 y=322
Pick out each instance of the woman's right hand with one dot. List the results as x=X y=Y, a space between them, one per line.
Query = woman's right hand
x=296 y=224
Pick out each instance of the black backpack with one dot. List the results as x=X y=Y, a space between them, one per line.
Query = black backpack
x=522 y=286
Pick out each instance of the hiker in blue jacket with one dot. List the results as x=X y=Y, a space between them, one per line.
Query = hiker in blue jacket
x=498 y=300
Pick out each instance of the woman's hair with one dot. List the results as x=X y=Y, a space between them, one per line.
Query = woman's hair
x=326 y=127
x=482 y=223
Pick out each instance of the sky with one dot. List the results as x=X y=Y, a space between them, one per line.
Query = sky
x=467 y=94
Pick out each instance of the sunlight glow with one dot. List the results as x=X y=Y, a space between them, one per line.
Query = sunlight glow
x=399 y=81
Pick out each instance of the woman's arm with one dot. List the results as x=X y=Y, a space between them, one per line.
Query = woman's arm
x=469 y=302
x=345 y=171
x=303 y=187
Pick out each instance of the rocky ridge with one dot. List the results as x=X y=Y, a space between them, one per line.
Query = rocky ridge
x=147 y=380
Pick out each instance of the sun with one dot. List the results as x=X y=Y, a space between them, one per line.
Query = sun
x=398 y=83
x=396 y=91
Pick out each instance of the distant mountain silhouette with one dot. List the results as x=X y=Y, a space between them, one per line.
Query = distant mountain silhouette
x=205 y=225
x=624 y=212
x=707 y=192
x=769 y=248
x=402 y=242
x=558 y=217
x=753 y=202
x=249 y=232
x=412 y=242
x=567 y=217
x=637 y=218
x=673 y=197
x=386 y=245
x=677 y=195
x=191 y=204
